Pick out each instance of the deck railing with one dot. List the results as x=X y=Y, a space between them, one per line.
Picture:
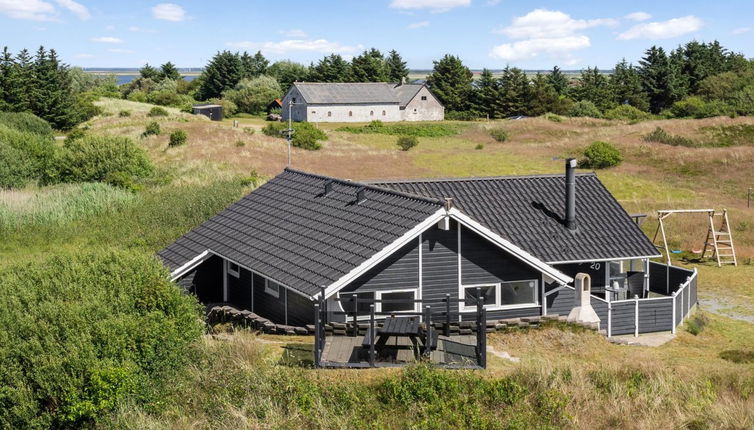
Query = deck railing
x=429 y=316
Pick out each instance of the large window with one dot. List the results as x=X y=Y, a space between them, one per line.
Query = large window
x=272 y=288
x=364 y=301
x=404 y=301
x=501 y=295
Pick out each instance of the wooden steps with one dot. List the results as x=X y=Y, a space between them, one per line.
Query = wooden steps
x=720 y=240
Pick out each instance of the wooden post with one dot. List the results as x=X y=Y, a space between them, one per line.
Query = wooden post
x=317 y=328
x=480 y=327
x=373 y=334
x=355 y=314
x=672 y=329
x=323 y=307
x=483 y=343
x=447 y=315
x=428 y=331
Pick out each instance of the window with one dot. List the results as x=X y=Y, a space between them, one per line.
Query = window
x=501 y=295
x=313 y=112
x=294 y=99
x=414 y=110
x=365 y=300
x=272 y=288
x=404 y=301
x=350 y=113
x=329 y=113
x=424 y=98
x=371 y=113
x=233 y=269
x=383 y=113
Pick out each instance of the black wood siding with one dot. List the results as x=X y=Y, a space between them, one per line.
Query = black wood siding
x=624 y=315
x=239 y=289
x=482 y=261
x=440 y=267
x=207 y=282
x=655 y=315
x=562 y=302
x=597 y=275
x=506 y=313
x=266 y=305
x=398 y=271
x=300 y=309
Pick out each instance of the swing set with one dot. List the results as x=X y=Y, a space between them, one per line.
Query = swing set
x=719 y=242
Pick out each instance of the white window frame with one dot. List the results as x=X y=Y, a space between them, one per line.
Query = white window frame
x=498 y=305
x=268 y=290
x=378 y=296
x=234 y=273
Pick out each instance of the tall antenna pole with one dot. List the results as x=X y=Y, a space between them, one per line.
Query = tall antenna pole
x=290 y=130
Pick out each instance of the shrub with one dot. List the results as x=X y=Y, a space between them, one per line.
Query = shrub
x=695 y=325
x=462 y=116
x=82 y=333
x=101 y=159
x=137 y=96
x=479 y=146
x=157 y=111
x=553 y=117
x=418 y=130
x=659 y=135
x=585 y=108
x=696 y=107
x=76 y=133
x=600 y=155
x=25 y=155
x=253 y=95
x=305 y=134
x=499 y=134
x=16 y=167
x=124 y=113
x=249 y=130
x=178 y=138
x=153 y=129
x=25 y=121
x=253 y=179
x=407 y=142
x=627 y=113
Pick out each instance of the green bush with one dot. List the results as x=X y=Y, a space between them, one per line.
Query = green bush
x=462 y=116
x=137 y=96
x=124 y=113
x=178 y=138
x=407 y=142
x=76 y=133
x=695 y=325
x=584 y=108
x=157 y=111
x=479 y=146
x=30 y=158
x=600 y=155
x=659 y=135
x=305 y=134
x=499 y=134
x=153 y=129
x=115 y=160
x=696 y=107
x=403 y=129
x=16 y=167
x=80 y=334
x=628 y=113
x=553 y=117
x=25 y=121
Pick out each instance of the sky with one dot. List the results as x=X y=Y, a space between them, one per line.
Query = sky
x=483 y=33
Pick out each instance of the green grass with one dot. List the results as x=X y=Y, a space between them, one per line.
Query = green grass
x=405 y=129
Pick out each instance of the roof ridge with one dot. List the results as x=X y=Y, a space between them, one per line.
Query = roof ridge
x=367 y=186
x=475 y=178
x=337 y=83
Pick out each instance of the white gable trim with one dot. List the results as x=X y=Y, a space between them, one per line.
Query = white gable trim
x=190 y=265
x=506 y=245
x=383 y=254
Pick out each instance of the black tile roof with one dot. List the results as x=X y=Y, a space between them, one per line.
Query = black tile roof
x=290 y=232
x=528 y=211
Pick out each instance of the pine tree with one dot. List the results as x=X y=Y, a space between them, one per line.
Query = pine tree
x=515 y=92
x=6 y=64
x=253 y=66
x=369 y=67
x=222 y=73
x=543 y=98
x=52 y=98
x=21 y=82
x=487 y=95
x=625 y=83
x=287 y=72
x=169 y=71
x=149 y=72
x=332 y=68
x=451 y=82
x=658 y=79
x=594 y=87
x=396 y=67
x=558 y=80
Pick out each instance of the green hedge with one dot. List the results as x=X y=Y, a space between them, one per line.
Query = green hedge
x=25 y=121
x=600 y=155
x=79 y=334
x=305 y=134
x=418 y=130
x=26 y=156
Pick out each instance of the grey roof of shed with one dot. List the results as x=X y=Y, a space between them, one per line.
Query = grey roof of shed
x=528 y=211
x=347 y=93
x=406 y=92
x=289 y=231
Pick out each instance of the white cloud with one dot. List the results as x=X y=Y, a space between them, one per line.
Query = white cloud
x=741 y=30
x=420 y=24
x=77 y=9
x=136 y=29
x=433 y=5
x=543 y=23
x=35 y=10
x=549 y=33
x=169 y=12
x=638 y=16
x=285 y=47
x=106 y=39
x=294 y=33
x=663 y=29
x=121 y=51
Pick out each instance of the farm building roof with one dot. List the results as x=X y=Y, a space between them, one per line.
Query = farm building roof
x=528 y=211
x=406 y=92
x=291 y=231
x=347 y=93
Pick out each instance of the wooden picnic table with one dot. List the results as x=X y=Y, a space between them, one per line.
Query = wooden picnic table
x=399 y=327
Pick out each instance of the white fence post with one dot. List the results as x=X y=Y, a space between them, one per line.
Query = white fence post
x=609 y=315
x=683 y=312
x=672 y=325
x=688 y=298
x=636 y=316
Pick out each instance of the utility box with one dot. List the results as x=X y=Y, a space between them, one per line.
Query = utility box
x=213 y=112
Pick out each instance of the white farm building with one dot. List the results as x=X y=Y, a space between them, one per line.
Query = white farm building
x=361 y=102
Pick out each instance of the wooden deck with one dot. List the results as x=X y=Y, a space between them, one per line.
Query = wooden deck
x=347 y=351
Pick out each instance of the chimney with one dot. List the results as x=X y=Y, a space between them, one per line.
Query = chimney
x=361 y=195
x=570 y=194
x=328 y=187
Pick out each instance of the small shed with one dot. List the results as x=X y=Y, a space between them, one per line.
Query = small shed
x=213 y=112
x=275 y=104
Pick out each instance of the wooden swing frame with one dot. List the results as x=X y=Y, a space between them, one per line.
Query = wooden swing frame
x=712 y=235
